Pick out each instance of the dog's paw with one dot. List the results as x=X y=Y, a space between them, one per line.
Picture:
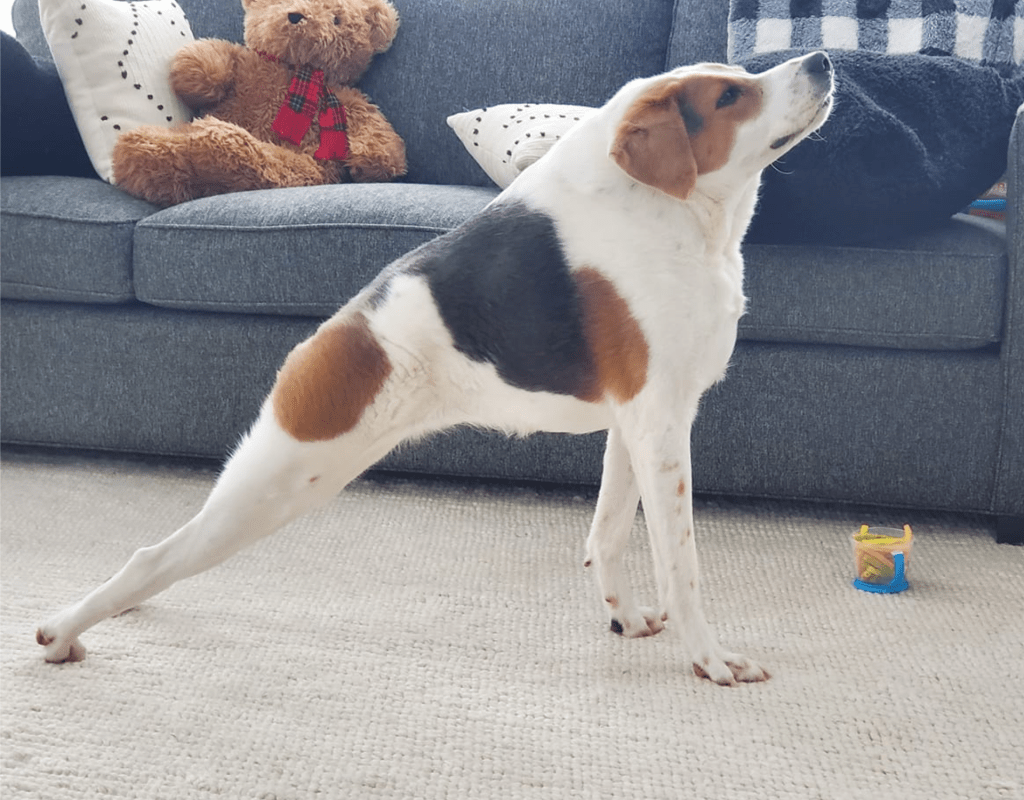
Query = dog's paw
x=728 y=669
x=644 y=622
x=59 y=650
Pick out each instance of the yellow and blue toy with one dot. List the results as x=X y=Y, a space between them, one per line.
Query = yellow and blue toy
x=882 y=556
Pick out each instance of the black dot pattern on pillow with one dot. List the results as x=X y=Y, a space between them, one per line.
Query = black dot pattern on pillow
x=504 y=139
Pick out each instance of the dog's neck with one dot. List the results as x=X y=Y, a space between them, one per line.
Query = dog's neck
x=732 y=206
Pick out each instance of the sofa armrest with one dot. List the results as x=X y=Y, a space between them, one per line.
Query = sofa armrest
x=1009 y=499
x=1014 y=170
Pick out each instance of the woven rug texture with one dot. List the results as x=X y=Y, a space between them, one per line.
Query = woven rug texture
x=424 y=639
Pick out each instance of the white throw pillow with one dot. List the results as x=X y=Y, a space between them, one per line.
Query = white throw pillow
x=114 y=61
x=506 y=139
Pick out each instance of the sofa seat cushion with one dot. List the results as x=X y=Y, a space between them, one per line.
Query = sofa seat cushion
x=300 y=252
x=943 y=290
x=67 y=239
x=306 y=251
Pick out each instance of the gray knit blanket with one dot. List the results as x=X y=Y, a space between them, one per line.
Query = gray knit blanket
x=989 y=32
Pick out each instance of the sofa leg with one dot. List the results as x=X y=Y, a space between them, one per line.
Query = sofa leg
x=1009 y=529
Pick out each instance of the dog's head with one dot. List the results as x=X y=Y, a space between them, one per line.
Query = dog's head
x=712 y=119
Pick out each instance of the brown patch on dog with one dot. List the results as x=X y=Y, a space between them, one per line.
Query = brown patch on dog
x=681 y=488
x=616 y=342
x=713 y=142
x=612 y=601
x=652 y=146
x=677 y=131
x=328 y=381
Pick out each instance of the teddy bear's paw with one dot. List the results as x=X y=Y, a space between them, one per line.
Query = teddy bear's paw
x=147 y=161
x=381 y=160
x=203 y=72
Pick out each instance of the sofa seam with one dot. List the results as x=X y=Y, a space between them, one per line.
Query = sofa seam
x=848 y=250
x=161 y=226
x=666 y=64
x=1015 y=239
x=222 y=305
x=13 y=215
x=65 y=290
x=864 y=332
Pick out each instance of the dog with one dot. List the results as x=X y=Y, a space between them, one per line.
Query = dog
x=601 y=290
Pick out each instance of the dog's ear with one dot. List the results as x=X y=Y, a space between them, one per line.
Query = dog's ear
x=652 y=145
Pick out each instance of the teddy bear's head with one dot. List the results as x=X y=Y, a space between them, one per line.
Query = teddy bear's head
x=338 y=36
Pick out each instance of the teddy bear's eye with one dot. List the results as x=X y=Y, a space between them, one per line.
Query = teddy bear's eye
x=337 y=20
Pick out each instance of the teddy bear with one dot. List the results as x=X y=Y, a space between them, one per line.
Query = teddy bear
x=281 y=111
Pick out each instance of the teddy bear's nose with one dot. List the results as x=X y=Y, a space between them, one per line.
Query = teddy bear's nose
x=295 y=19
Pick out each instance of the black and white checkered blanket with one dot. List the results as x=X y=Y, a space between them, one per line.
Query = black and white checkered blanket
x=989 y=32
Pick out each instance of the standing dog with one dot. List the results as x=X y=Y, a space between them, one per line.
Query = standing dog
x=600 y=291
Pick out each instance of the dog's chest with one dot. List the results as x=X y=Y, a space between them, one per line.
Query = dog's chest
x=691 y=317
x=685 y=291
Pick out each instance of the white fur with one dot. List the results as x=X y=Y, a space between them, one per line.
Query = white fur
x=677 y=265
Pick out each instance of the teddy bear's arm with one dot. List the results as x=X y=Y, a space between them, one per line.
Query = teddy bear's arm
x=376 y=151
x=203 y=72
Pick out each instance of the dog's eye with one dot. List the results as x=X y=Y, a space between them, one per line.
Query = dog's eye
x=729 y=96
x=337 y=20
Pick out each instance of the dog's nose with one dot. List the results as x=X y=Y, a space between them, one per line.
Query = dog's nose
x=818 y=63
x=295 y=19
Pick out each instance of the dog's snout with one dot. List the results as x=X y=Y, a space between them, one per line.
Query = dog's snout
x=295 y=18
x=818 y=65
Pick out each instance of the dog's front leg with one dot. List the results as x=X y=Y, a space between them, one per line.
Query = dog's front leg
x=606 y=544
x=659 y=451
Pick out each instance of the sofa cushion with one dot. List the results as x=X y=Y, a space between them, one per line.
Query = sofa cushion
x=67 y=239
x=577 y=52
x=298 y=251
x=943 y=290
x=699 y=33
x=940 y=291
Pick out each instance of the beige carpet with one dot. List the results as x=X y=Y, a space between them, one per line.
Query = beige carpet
x=431 y=640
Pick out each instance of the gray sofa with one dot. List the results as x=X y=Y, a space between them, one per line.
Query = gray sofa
x=889 y=374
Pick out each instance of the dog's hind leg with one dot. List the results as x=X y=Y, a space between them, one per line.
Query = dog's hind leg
x=333 y=413
x=606 y=544
x=269 y=481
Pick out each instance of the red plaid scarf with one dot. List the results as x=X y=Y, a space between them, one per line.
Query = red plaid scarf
x=306 y=94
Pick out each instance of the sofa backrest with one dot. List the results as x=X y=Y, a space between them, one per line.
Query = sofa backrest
x=457 y=55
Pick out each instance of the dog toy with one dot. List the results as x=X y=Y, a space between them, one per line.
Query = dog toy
x=882 y=557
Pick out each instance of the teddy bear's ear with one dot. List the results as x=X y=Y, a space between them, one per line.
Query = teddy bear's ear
x=383 y=19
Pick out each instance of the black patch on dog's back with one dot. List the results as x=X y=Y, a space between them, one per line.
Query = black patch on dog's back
x=504 y=290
